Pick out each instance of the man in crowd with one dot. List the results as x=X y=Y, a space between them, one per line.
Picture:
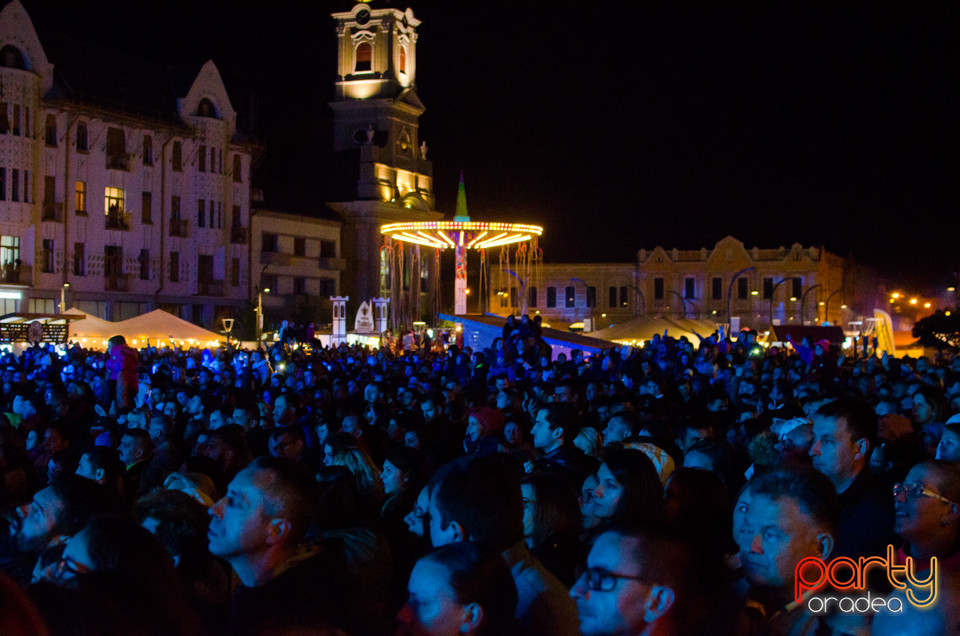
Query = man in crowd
x=481 y=501
x=43 y=526
x=259 y=528
x=637 y=581
x=791 y=517
x=553 y=433
x=844 y=432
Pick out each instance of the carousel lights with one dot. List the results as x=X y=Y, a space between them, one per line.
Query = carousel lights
x=476 y=238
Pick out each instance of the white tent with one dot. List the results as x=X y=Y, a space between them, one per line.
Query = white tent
x=159 y=325
x=90 y=327
x=644 y=328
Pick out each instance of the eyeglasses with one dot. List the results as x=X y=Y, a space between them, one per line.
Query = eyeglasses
x=600 y=580
x=912 y=491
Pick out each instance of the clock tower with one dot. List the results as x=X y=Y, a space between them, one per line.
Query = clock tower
x=381 y=163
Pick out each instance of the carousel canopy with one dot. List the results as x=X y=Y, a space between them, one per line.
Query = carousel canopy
x=473 y=235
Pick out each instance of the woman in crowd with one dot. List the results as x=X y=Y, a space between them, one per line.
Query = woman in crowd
x=628 y=487
x=461 y=588
x=552 y=525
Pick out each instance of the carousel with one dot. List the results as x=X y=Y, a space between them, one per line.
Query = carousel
x=515 y=245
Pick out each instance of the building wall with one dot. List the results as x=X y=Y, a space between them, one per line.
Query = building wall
x=301 y=260
x=99 y=219
x=682 y=283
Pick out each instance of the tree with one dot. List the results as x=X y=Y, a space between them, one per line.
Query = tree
x=940 y=330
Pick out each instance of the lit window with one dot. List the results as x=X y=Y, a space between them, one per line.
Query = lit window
x=113 y=201
x=80 y=197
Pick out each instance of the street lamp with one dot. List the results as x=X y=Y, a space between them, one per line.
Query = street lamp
x=63 y=303
x=730 y=288
x=683 y=302
x=260 y=294
x=826 y=313
x=773 y=293
x=803 y=298
x=586 y=301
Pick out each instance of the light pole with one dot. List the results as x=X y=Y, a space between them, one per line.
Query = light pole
x=803 y=298
x=826 y=311
x=586 y=300
x=260 y=294
x=683 y=302
x=773 y=292
x=730 y=288
x=63 y=299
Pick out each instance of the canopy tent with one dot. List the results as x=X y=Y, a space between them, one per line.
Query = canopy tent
x=158 y=325
x=644 y=328
x=163 y=326
x=90 y=327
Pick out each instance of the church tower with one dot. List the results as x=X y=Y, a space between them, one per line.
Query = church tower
x=380 y=161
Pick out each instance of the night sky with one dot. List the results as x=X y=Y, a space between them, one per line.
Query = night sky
x=621 y=125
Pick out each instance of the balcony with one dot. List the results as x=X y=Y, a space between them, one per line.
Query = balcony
x=13 y=274
x=52 y=212
x=117 y=220
x=118 y=283
x=210 y=288
x=119 y=161
x=178 y=227
x=335 y=264
x=238 y=235
x=276 y=258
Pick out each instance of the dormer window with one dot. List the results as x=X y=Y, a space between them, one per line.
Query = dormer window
x=206 y=109
x=11 y=57
x=364 y=58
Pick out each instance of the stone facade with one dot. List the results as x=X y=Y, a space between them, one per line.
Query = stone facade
x=759 y=286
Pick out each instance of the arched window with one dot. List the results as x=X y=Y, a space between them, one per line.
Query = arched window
x=403 y=60
x=11 y=57
x=364 y=58
x=206 y=109
x=82 y=136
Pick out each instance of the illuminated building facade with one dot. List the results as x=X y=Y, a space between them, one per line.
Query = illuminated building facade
x=299 y=259
x=380 y=160
x=759 y=286
x=120 y=188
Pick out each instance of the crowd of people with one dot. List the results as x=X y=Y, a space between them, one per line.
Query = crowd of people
x=672 y=488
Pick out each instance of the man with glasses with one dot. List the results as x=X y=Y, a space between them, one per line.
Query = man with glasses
x=928 y=515
x=637 y=581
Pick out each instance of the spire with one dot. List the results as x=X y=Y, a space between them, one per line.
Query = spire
x=462 y=214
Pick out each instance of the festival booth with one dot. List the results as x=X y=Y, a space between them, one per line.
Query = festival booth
x=160 y=328
x=157 y=328
x=90 y=331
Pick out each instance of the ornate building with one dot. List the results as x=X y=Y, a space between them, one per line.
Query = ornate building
x=120 y=186
x=380 y=160
x=761 y=287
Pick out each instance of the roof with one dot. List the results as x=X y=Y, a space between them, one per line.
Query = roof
x=812 y=333
x=644 y=328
